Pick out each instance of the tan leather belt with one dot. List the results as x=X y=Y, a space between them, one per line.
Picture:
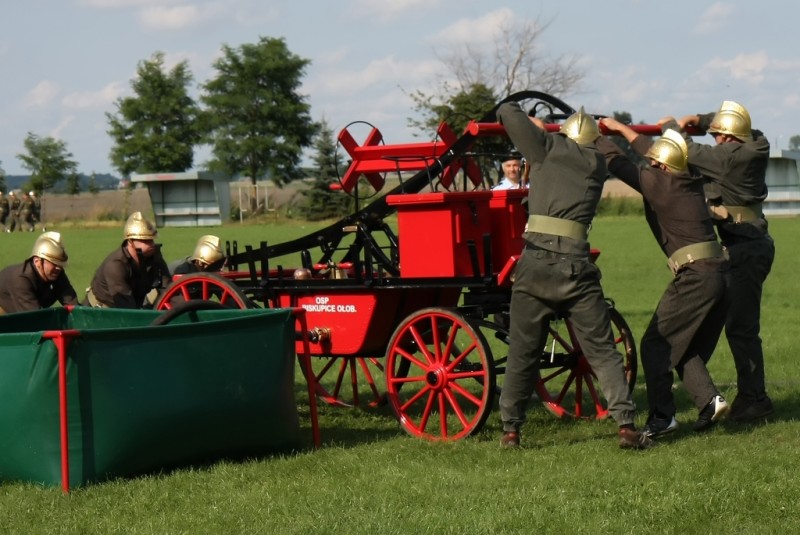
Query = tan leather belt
x=694 y=252
x=743 y=214
x=557 y=227
x=93 y=300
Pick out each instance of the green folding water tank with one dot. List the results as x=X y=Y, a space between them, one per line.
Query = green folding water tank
x=141 y=398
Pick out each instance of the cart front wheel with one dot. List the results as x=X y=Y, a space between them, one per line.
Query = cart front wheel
x=440 y=378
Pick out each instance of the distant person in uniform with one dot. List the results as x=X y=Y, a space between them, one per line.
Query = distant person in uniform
x=40 y=281
x=3 y=211
x=128 y=276
x=26 y=211
x=37 y=208
x=13 y=211
x=207 y=256
x=511 y=165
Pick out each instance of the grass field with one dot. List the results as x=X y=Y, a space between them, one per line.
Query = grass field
x=570 y=477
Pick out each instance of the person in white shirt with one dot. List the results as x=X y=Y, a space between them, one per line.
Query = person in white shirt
x=511 y=164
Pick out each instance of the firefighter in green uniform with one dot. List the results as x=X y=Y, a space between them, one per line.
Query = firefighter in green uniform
x=13 y=211
x=26 y=209
x=555 y=276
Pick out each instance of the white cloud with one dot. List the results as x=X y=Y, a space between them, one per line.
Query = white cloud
x=714 y=18
x=744 y=67
x=175 y=18
x=61 y=126
x=96 y=99
x=475 y=31
x=392 y=8
x=41 y=95
x=113 y=4
x=384 y=70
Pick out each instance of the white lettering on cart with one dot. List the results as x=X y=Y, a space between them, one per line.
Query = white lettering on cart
x=323 y=304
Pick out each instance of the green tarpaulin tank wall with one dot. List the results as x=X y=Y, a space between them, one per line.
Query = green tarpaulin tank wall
x=137 y=398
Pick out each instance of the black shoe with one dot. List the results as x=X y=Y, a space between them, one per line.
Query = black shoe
x=633 y=439
x=711 y=413
x=656 y=426
x=744 y=410
x=510 y=440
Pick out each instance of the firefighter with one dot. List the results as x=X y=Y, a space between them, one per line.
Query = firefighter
x=40 y=280
x=555 y=275
x=207 y=256
x=133 y=272
x=736 y=169
x=26 y=211
x=689 y=318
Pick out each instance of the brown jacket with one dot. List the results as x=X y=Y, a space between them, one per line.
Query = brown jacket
x=22 y=290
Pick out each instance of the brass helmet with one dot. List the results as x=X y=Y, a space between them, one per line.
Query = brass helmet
x=581 y=128
x=139 y=228
x=732 y=119
x=208 y=250
x=671 y=150
x=49 y=247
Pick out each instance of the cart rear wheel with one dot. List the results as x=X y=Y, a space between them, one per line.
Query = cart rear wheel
x=440 y=378
x=348 y=381
x=568 y=385
x=204 y=287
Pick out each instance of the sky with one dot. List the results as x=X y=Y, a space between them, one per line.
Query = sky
x=64 y=63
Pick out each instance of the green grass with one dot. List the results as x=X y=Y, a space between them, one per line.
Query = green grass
x=369 y=477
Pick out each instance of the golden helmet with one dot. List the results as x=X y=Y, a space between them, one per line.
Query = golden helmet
x=208 y=250
x=732 y=119
x=49 y=247
x=581 y=128
x=671 y=150
x=139 y=228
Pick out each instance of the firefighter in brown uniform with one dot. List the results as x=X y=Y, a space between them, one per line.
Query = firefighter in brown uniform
x=554 y=275
x=690 y=315
x=40 y=281
x=735 y=169
x=207 y=256
x=132 y=271
x=3 y=211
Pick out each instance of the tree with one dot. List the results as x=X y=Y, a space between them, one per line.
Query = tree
x=794 y=143
x=48 y=160
x=257 y=122
x=73 y=184
x=92 y=184
x=156 y=130
x=513 y=63
x=2 y=178
x=320 y=201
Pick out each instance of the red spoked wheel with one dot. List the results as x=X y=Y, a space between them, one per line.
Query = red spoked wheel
x=203 y=287
x=567 y=386
x=440 y=377
x=345 y=381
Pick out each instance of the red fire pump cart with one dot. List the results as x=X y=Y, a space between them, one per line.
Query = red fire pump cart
x=416 y=318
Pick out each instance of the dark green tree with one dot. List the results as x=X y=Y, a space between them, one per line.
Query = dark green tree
x=461 y=107
x=92 y=186
x=794 y=143
x=73 y=184
x=2 y=178
x=320 y=202
x=257 y=122
x=156 y=130
x=48 y=160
